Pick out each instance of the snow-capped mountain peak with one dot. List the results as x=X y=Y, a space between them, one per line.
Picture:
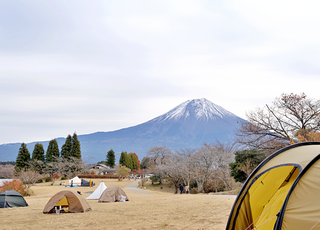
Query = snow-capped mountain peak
x=201 y=109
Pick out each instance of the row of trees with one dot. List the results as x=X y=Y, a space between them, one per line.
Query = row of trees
x=206 y=165
x=67 y=163
x=130 y=160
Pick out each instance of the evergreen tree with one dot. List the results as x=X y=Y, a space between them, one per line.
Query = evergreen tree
x=111 y=158
x=134 y=161
x=75 y=150
x=52 y=150
x=23 y=157
x=245 y=162
x=123 y=158
x=67 y=147
x=128 y=163
x=38 y=152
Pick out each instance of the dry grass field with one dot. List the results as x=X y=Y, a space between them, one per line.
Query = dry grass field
x=159 y=210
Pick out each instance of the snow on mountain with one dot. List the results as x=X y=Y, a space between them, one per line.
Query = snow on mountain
x=200 y=108
x=188 y=125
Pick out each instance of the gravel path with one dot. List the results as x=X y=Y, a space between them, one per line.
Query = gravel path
x=133 y=187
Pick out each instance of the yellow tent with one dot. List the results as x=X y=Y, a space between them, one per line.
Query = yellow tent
x=67 y=199
x=282 y=192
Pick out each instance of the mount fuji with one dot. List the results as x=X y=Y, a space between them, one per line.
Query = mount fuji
x=190 y=124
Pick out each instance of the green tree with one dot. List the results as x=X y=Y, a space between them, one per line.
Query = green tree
x=245 y=162
x=111 y=158
x=52 y=151
x=128 y=163
x=122 y=159
x=134 y=161
x=38 y=152
x=122 y=172
x=23 y=157
x=76 y=150
x=67 y=147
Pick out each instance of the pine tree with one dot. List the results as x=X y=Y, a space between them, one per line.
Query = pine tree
x=123 y=158
x=128 y=163
x=52 y=151
x=76 y=150
x=38 y=152
x=23 y=157
x=134 y=161
x=66 y=148
x=111 y=158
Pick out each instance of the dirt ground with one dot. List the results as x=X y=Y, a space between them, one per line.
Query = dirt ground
x=159 y=210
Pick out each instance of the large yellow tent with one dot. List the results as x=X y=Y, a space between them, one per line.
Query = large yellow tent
x=67 y=199
x=282 y=192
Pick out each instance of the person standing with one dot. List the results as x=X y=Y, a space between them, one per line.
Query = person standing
x=187 y=189
x=181 y=188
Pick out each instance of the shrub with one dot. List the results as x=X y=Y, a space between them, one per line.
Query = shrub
x=63 y=178
x=47 y=179
x=56 y=176
x=15 y=185
x=39 y=181
x=193 y=191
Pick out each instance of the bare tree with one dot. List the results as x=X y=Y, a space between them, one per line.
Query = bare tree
x=275 y=125
x=203 y=162
x=6 y=171
x=28 y=178
x=158 y=157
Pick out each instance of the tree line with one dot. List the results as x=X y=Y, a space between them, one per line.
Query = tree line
x=289 y=119
x=67 y=162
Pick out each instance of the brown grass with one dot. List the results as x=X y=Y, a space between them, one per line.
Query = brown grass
x=159 y=210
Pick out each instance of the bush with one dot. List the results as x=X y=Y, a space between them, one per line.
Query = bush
x=194 y=191
x=47 y=179
x=15 y=185
x=63 y=178
x=39 y=181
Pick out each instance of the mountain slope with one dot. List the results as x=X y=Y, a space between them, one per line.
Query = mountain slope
x=190 y=124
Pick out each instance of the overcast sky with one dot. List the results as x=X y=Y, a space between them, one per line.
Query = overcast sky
x=87 y=66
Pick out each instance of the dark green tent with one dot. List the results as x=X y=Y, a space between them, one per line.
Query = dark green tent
x=9 y=199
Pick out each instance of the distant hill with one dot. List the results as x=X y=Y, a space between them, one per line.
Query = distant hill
x=190 y=124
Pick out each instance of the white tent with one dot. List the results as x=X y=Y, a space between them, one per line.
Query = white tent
x=97 y=193
x=75 y=181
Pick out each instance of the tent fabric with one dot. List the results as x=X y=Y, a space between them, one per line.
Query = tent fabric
x=11 y=198
x=75 y=202
x=97 y=193
x=112 y=194
x=75 y=181
x=85 y=183
x=281 y=193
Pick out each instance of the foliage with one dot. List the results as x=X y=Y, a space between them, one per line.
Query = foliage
x=137 y=159
x=66 y=147
x=307 y=135
x=122 y=171
x=275 y=125
x=52 y=151
x=145 y=162
x=76 y=149
x=15 y=185
x=134 y=161
x=125 y=159
x=23 y=158
x=38 y=152
x=111 y=158
x=245 y=162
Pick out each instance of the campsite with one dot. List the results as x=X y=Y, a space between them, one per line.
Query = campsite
x=158 y=210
